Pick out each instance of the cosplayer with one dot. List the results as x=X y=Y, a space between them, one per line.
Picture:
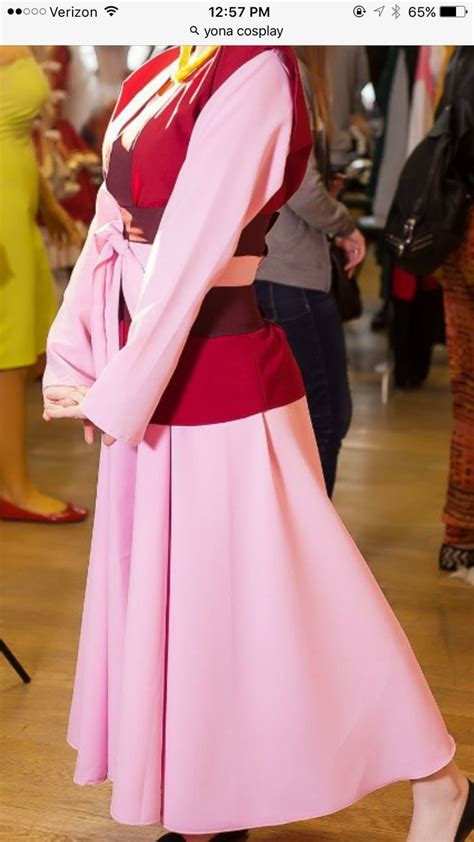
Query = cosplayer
x=238 y=665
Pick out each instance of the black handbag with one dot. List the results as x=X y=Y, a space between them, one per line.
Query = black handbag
x=428 y=214
x=346 y=290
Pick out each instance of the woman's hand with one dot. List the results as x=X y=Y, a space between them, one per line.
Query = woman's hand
x=355 y=249
x=61 y=227
x=65 y=402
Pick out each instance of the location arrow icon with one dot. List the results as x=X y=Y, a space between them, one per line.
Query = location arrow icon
x=380 y=10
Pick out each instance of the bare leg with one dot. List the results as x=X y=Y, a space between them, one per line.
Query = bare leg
x=16 y=484
x=438 y=803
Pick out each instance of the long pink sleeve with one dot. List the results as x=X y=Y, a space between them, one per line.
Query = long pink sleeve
x=235 y=164
x=69 y=350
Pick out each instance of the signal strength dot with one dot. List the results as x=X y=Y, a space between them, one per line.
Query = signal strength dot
x=111 y=10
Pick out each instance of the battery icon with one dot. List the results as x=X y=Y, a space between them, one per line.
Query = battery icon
x=452 y=11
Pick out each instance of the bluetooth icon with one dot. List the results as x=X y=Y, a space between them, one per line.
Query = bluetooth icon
x=396 y=12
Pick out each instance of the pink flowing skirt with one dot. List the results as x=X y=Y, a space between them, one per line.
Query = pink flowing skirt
x=239 y=665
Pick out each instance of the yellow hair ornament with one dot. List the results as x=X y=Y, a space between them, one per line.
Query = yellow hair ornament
x=186 y=63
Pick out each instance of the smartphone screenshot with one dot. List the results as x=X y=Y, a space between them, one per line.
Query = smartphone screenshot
x=237 y=420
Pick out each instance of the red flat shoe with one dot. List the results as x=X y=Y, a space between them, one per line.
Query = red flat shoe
x=70 y=514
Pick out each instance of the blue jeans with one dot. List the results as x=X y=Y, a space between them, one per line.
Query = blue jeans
x=314 y=331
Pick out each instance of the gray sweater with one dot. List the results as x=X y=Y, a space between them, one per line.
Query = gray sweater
x=298 y=250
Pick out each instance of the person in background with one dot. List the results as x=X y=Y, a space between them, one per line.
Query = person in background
x=294 y=281
x=417 y=326
x=112 y=69
x=82 y=162
x=417 y=323
x=27 y=294
x=71 y=168
x=457 y=277
x=348 y=74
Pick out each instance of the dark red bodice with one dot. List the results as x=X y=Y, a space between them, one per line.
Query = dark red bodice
x=142 y=179
x=233 y=364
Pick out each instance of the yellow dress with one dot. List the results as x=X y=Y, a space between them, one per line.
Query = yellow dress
x=27 y=294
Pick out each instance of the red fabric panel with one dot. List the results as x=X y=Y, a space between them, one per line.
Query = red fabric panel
x=228 y=310
x=229 y=377
x=144 y=74
x=166 y=140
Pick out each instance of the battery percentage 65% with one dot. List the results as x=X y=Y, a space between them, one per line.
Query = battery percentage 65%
x=422 y=11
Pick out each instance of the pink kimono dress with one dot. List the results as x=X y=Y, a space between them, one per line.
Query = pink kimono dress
x=238 y=664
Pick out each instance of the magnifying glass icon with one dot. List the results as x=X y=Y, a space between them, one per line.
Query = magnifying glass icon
x=194 y=30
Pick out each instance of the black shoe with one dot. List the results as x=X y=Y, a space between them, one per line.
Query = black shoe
x=171 y=837
x=466 y=825
x=453 y=558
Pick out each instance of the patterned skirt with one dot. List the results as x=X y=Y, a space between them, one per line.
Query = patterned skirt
x=458 y=285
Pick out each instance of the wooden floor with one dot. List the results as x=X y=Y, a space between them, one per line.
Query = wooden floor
x=390 y=493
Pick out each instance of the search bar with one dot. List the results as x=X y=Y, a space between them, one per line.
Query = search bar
x=185 y=21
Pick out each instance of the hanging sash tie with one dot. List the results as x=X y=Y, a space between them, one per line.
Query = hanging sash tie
x=120 y=266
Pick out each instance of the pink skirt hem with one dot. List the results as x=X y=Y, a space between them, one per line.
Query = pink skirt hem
x=330 y=811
